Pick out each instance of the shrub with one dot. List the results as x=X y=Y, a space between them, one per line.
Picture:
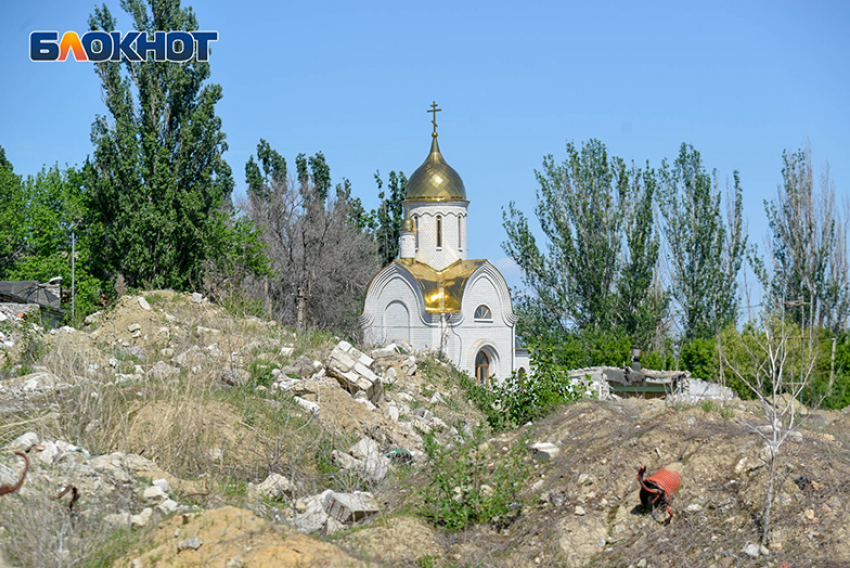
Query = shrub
x=468 y=483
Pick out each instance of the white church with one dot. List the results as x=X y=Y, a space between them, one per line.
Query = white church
x=432 y=297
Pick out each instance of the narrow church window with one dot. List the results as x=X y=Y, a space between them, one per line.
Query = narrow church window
x=482 y=368
x=459 y=234
x=439 y=232
x=482 y=312
x=416 y=224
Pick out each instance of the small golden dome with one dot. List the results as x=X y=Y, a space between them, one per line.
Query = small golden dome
x=407 y=225
x=435 y=180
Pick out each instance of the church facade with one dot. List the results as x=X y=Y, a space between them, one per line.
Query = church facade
x=432 y=296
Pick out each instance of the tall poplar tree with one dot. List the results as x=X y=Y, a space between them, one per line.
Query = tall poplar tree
x=705 y=251
x=159 y=185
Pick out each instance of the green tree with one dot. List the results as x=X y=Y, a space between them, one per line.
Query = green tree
x=598 y=272
x=809 y=246
x=11 y=216
x=159 y=185
x=389 y=215
x=705 y=253
x=55 y=208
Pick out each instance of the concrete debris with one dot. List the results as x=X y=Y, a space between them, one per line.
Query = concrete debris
x=304 y=403
x=275 y=488
x=351 y=368
x=23 y=443
x=386 y=351
x=152 y=495
x=692 y=390
x=191 y=543
x=141 y=520
x=350 y=507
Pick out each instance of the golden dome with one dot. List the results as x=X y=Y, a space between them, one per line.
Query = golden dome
x=435 y=180
x=407 y=225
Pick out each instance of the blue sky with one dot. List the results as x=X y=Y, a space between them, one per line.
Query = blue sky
x=741 y=81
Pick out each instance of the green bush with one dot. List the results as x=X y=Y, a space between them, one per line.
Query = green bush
x=468 y=483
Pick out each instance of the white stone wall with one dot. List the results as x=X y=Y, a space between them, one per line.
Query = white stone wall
x=394 y=298
x=453 y=215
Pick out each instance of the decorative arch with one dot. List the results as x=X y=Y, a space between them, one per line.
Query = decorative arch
x=482 y=352
x=397 y=321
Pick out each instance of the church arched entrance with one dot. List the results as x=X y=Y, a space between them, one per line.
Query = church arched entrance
x=397 y=322
x=482 y=368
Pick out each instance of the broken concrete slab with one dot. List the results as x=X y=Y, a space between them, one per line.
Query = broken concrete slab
x=350 y=507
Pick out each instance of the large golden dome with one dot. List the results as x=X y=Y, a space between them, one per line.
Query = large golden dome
x=435 y=180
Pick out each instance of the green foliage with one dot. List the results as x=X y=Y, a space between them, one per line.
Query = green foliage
x=159 y=185
x=389 y=215
x=599 y=272
x=706 y=255
x=12 y=224
x=526 y=397
x=468 y=483
x=48 y=209
x=809 y=247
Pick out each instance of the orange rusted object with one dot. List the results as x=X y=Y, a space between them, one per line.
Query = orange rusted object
x=658 y=489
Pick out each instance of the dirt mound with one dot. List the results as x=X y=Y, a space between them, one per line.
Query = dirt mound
x=233 y=537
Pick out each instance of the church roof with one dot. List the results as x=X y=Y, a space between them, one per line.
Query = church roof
x=435 y=180
x=442 y=289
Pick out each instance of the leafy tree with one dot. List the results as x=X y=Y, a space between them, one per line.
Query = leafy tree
x=705 y=254
x=159 y=185
x=11 y=216
x=322 y=258
x=809 y=246
x=598 y=272
x=389 y=215
x=53 y=209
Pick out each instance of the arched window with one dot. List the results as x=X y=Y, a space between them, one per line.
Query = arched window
x=482 y=368
x=459 y=232
x=439 y=231
x=482 y=312
x=416 y=225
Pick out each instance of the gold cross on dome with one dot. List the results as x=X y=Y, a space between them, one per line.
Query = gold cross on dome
x=434 y=110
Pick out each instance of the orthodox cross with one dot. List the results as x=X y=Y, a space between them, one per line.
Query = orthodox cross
x=434 y=110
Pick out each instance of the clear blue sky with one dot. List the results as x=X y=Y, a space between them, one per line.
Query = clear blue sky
x=741 y=81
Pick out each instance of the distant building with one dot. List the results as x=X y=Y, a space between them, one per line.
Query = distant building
x=30 y=296
x=432 y=297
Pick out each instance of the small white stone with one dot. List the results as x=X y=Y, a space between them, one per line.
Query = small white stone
x=144 y=303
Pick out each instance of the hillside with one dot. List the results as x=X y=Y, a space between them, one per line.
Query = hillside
x=197 y=438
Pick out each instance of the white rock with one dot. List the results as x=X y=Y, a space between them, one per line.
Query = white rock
x=311 y=406
x=275 y=488
x=152 y=495
x=48 y=454
x=191 y=543
x=752 y=550
x=197 y=298
x=141 y=520
x=144 y=303
x=117 y=521
x=23 y=443
x=162 y=483
x=167 y=507
x=134 y=327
